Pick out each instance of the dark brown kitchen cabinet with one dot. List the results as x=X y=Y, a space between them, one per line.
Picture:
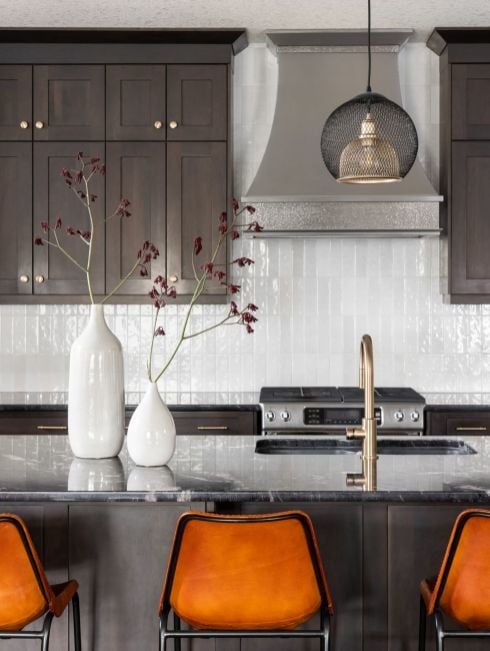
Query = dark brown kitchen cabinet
x=69 y=102
x=15 y=102
x=54 y=273
x=465 y=158
x=196 y=196
x=154 y=105
x=136 y=102
x=136 y=170
x=16 y=227
x=197 y=102
x=457 y=421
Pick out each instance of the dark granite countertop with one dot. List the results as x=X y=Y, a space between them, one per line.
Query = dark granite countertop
x=227 y=469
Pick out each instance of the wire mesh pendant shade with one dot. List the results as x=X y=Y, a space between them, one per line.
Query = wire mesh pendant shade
x=369 y=139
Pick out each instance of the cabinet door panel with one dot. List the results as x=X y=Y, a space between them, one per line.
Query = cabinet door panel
x=470 y=102
x=197 y=102
x=53 y=272
x=470 y=225
x=69 y=102
x=15 y=218
x=135 y=103
x=15 y=102
x=196 y=196
x=135 y=170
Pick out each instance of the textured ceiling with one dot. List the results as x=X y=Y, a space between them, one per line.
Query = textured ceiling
x=255 y=15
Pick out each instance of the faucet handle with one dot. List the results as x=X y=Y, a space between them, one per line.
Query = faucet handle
x=355 y=479
x=355 y=432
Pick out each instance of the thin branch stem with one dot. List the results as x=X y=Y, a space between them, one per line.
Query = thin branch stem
x=120 y=283
x=64 y=251
x=149 y=364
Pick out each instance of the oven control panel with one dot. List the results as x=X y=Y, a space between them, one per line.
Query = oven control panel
x=338 y=417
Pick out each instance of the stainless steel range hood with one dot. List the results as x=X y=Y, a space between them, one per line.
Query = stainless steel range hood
x=293 y=191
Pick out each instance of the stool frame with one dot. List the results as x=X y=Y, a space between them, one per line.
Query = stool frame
x=441 y=632
x=176 y=633
x=44 y=633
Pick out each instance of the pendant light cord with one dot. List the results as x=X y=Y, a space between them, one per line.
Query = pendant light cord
x=368 y=89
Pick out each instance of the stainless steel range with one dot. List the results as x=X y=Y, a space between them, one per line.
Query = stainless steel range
x=329 y=410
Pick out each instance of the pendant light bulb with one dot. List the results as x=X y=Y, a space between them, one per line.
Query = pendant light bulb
x=369 y=139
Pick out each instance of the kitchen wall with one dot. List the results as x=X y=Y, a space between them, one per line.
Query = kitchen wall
x=316 y=297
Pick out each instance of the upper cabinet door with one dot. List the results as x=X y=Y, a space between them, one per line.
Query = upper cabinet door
x=69 y=102
x=54 y=273
x=197 y=102
x=15 y=102
x=135 y=171
x=470 y=101
x=135 y=102
x=15 y=218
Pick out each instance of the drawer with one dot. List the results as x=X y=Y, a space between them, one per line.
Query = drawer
x=242 y=423
x=458 y=423
x=34 y=422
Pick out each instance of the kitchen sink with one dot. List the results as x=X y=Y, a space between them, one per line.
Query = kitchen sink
x=340 y=446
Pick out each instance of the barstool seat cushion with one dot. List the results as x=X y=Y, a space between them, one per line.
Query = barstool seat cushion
x=257 y=575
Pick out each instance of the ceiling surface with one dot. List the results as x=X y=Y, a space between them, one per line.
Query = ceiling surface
x=255 y=15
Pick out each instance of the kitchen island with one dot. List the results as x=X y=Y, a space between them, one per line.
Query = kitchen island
x=109 y=524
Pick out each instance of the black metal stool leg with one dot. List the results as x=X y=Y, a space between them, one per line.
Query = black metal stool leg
x=422 y=624
x=75 y=604
x=177 y=628
x=439 y=631
x=46 y=631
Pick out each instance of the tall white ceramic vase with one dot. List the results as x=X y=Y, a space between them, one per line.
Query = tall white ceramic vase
x=151 y=431
x=96 y=391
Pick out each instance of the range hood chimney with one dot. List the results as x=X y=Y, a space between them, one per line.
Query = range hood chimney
x=293 y=191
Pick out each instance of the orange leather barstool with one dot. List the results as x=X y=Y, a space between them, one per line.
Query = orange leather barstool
x=244 y=576
x=461 y=590
x=25 y=594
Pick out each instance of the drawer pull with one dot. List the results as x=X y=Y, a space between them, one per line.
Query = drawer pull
x=212 y=427
x=61 y=428
x=481 y=428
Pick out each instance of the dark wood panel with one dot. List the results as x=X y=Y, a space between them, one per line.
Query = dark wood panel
x=69 y=102
x=470 y=101
x=121 y=569
x=53 y=199
x=470 y=226
x=453 y=423
x=196 y=196
x=15 y=102
x=15 y=218
x=135 y=102
x=240 y=423
x=135 y=171
x=197 y=102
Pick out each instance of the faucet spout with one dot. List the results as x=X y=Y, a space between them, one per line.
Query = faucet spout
x=369 y=428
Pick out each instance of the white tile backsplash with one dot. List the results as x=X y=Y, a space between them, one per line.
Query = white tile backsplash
x=316 y=296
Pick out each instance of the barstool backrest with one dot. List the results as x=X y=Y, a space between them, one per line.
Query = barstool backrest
x=462 y=588
x=245 y=572
x=24 y=591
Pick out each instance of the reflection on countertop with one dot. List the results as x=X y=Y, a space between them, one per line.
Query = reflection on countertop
x=227 y=469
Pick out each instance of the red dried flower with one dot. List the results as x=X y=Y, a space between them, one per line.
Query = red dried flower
x=87 y=235
x=172 y=292
x=222 y=228
x=159 y=331
x=234 y=309
x=70 y=230
x=197 y=245
x=235 y=204
x=249 y=328
x=66 y=173
x=153 y=293
x=235 y=235
x=223 y=218
x=94 y=160
x=220 y=275
x=234 y=289
x=252 y=307
x=250 y=209
x=101 y=169
x=78 y=176
x=58 y=223
x=208 y=267
x=44 y=227
x=255 y=226
x=38 y=241
x=80 y=155
x=93 y=197
x=243 y=262
x=144 y=272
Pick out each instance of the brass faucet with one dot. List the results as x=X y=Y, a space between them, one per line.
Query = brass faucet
x=368 y=429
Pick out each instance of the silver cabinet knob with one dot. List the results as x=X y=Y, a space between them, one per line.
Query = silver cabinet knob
x=398 y=416
x=173 y=279
x=24 y=278
x=158 y=124
x=39 y=279
x=39 y=124
x=24 y=124
x=173 y=124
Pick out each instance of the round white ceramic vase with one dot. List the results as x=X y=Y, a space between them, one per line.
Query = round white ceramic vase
x=151 y=431
x=96 y=391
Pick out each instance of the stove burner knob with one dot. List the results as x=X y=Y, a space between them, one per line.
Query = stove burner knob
x=398 y=416
x=270 y=416
x=414 y=416
x=285 y=415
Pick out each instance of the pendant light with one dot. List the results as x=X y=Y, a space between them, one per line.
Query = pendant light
x=369 y=139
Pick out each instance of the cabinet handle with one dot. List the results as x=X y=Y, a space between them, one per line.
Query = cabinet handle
x=39 y=124
x=207 y=428
x=24 y=124
x=173 y=124
x=24 y=278
x=158 y=124
x=174 y=278
x=472 y=429
x=60 y=428
x=39 y=279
